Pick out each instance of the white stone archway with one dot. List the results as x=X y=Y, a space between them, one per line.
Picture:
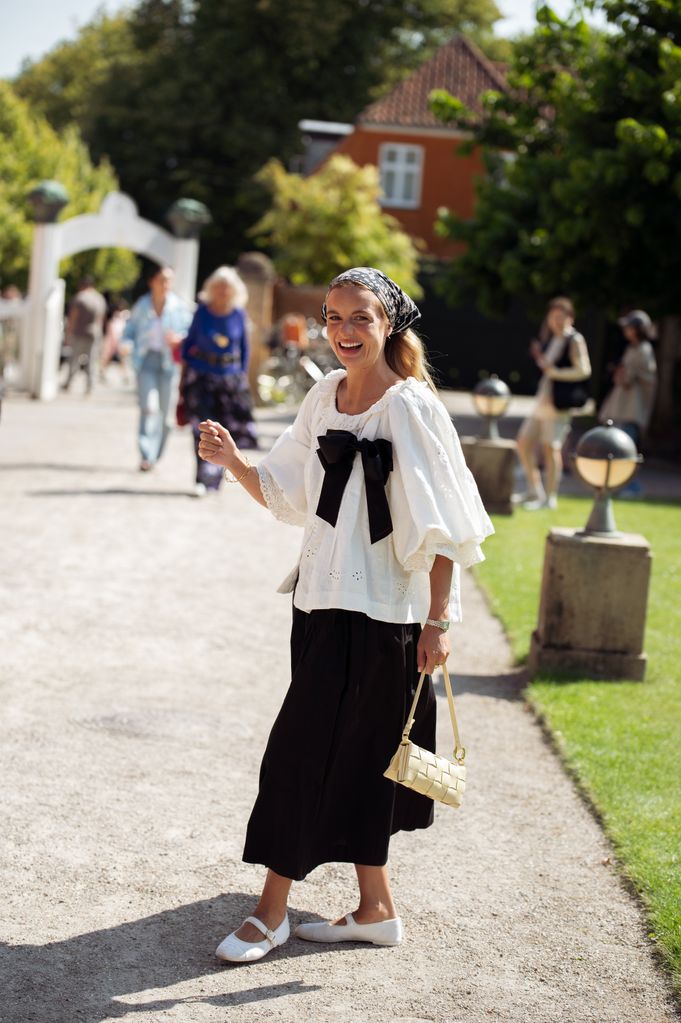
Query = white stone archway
x=116 y=225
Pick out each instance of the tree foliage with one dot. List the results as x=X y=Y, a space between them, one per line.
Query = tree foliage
x=192 y=97
x=62 y=84
x=319 y=226
x=31 y=151
x=584 y=153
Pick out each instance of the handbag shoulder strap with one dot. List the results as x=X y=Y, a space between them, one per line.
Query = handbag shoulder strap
x=564 y=355
x=459 y=750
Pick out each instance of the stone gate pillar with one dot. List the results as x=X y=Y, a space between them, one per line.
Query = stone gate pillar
x=116 y=225
x=41 y=337
x=186 y=218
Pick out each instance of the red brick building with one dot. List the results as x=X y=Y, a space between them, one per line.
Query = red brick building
x=419 y=157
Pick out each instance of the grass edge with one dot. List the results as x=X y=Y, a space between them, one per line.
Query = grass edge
x=670 y=973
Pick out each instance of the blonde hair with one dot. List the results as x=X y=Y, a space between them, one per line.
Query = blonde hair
x=229 y=275
x=406 y=356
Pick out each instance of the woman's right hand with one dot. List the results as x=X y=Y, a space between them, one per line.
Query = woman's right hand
x=216 y=444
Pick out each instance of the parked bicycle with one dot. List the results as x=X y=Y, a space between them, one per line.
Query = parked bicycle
x=292 y=369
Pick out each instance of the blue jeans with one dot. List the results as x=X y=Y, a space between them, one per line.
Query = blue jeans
x=156 y=389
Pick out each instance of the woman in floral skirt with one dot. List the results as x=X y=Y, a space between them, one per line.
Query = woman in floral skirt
x=214 y=379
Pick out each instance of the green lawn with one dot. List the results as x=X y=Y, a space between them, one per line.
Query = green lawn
x=622 y=740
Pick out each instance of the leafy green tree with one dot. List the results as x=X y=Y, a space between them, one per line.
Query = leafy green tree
x=62 y=84
x=584 y=194
x=31 y=151
x=321 y=225
x=198 y=94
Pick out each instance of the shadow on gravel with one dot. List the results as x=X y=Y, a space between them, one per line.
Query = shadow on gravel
x=87 y=977
x=502 y=687
x=55 y=467
x=111 y=492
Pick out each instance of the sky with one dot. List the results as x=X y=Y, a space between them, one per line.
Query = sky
x=29 y=28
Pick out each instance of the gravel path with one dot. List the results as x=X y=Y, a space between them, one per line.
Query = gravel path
x=145 y=653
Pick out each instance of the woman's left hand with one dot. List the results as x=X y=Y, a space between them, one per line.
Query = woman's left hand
x=433 y=648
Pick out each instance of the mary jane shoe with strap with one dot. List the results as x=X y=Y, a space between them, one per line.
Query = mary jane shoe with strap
x=236 y=950
x=385 y=932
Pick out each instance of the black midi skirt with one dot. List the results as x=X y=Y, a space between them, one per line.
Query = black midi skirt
x=322 y=796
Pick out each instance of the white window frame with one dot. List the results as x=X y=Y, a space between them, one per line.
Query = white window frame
x=401 y=168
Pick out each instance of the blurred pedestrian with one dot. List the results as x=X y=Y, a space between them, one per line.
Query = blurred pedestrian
x=215 y=374
x=156 y=328
x=10 y=329
x=372 y=469
x=84 y=327
x=562 y=357
x=630 y=402
x=112 y=348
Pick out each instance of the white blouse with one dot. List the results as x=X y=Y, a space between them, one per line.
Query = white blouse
x=434 y=505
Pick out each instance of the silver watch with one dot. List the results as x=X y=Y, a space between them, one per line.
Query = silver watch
x=439 y=623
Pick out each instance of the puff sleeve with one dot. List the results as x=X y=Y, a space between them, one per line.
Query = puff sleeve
x=282 y=470
x=435 y=503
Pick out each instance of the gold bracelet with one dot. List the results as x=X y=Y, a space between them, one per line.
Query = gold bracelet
x=236 y=479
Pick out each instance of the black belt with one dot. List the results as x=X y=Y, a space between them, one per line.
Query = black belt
x=213 y=360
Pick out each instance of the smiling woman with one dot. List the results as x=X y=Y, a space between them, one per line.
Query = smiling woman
x=373 y=594
x=368 y=320
x=357 y=326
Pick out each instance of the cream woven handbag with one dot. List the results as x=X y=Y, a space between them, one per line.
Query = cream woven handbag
x=426 y=772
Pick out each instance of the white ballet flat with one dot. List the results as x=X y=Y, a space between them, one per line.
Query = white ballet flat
x=236 y=950
x=386 y=932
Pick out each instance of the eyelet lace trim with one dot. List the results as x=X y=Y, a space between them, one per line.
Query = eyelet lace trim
x=464 y=554
x=275 y=500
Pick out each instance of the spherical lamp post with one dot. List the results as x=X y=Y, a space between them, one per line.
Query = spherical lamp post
x=490 y=458
x=605 y=459
x=187 y=216
x=594 y=595
x=491 y=398
x=48 y=199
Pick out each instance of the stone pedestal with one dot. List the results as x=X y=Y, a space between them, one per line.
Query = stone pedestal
x=258 y=274
x=492 y=463
x=593 y=606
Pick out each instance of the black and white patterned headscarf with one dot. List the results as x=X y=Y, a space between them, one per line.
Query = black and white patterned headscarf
x=401 y=311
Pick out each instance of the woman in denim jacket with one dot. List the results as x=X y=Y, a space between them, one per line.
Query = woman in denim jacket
x=157 y=324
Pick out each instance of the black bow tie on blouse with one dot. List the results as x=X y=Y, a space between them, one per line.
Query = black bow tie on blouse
x=337 y=450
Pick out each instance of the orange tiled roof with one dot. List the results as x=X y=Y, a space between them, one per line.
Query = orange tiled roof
x=458 y=66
